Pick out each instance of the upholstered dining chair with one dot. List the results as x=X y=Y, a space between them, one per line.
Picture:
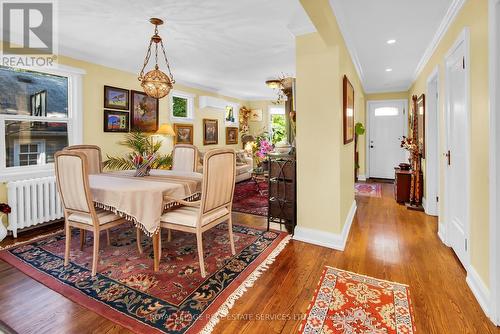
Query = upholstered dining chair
x=94 y=157
x=215 y=205
x=184 y=158
x=72 y=180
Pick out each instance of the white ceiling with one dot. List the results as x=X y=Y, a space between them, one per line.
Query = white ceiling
x=368 y=24
x=227 y=46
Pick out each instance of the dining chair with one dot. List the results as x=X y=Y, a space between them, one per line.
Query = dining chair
x=184 y=158
x=215 y=205
x=94 y=156
x=72 y=178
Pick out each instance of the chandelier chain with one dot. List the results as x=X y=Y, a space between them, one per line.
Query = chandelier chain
x=168 y=64
x=146 y=60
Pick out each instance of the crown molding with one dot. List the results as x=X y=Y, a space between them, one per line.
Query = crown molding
x=448 y=19
x=342 y=23
x=398 y=89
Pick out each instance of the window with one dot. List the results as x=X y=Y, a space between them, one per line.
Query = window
x=386 y=111
x=39 y=115
x=181 y=105
x=277 y=124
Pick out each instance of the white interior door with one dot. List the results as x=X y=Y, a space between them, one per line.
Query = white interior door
x=457 y=144
x=431 y=146
x=387 y=126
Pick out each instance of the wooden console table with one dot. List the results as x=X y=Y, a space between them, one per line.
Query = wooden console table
x=402 y=184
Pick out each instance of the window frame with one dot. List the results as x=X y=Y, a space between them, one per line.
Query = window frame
x=190 y=106
x=270 y=117
x=74 y=122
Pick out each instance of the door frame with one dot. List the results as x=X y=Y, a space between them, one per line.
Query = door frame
x=463 y=38
x=432 y=186
x=494 y=82
x=369 y=103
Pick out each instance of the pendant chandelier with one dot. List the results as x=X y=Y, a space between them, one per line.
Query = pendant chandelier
x=155 y=83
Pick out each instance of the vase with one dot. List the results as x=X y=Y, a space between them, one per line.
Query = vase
x=3 y=229
x=143 y=170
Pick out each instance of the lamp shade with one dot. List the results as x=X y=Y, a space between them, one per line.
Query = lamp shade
x=166 y=130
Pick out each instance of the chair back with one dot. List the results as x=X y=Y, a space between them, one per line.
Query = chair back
x=219 y=173
x=184 y=158
x=93 y=154
x=73 y=182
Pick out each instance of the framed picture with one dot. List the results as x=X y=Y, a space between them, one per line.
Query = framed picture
x=144 y=112
x=348 y=112
x=116 y=121
x=231 y=135
x=421 y=123
x=256 y=115
x=183 y=133
x=229 y=117
x=116 y=98
x=210 y=132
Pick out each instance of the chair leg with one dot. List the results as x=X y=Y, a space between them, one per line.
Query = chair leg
x=95 y=257
x=82 y=238
x=199 y=241
x=108 y=239
x=68 y=243
x=138 y=237
x=231 y=238
x=159 y=243
x=169 y=238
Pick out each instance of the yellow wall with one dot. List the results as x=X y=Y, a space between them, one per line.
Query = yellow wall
x=387 y=96
x=257 y=128
x=325 y=166
x=473 y=15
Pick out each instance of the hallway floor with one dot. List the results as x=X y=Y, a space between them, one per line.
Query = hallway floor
x=386 y=241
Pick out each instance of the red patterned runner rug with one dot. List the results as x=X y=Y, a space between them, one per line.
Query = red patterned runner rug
x=368 y=189
x=126 y=290
x=349 y=303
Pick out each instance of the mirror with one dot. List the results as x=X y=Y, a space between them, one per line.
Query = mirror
x=421 y=124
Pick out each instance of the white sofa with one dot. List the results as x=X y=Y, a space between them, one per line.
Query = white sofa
x=244 y=165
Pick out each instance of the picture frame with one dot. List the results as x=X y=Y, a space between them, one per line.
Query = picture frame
x=143 y=112
x=183 y=133
x=231 y=135
x=421 y=124
x=116 y=121
x=256 y=115
x=116 y=98
x=348 y=111
x=210 y=131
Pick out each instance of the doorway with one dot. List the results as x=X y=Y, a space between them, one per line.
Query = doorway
x=432 y=145
x=386 y=126
x=457 y=148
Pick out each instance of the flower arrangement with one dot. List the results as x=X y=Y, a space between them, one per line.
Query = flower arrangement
x=142 y=163
x=5 y=208
x=260 y=148
x=410 y=145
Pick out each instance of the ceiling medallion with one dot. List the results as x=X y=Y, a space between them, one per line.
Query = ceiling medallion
x=155 y=83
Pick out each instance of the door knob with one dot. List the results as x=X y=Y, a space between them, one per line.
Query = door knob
x=448 y=157
x=371 y=146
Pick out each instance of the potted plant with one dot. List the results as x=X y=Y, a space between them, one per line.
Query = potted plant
x=4 y=211
x=143 y=145
x=359 y=130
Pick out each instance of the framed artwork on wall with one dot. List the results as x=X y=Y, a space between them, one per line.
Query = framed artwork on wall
x=348 y=111
x=183 y=134
x=144 y=112
x=231 y=135
x=256 y=115
x=116 y=121
x=421 y=123
x=116 y=98
x=210 y=132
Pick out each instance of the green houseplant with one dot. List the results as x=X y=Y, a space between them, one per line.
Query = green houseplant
x=139 y=143
x=359 y=130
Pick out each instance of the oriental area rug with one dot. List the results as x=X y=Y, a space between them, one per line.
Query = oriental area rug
x=126 y=290
x=251 y=198
x=368 y=189
x=349 y=303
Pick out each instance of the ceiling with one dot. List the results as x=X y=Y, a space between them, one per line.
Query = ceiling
x=226 y=46
x=367 y=25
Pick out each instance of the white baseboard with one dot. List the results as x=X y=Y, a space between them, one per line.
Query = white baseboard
x=424 y=204
x=326 y=239
x=362 y=177
x=479 y=289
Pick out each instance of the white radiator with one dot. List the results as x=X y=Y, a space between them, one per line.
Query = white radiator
x=33 y=202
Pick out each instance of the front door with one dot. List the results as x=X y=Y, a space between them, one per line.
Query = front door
x=387 y=126
x=456 y=155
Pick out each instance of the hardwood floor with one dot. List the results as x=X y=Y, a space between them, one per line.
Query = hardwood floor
x=386 y=241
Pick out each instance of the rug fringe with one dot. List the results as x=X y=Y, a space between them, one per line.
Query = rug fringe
x=247 y=283
x=17 y=243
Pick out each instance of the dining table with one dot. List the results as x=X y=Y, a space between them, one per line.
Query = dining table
x=142 y=199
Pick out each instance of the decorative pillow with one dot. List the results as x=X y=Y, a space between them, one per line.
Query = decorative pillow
x=200 y=157
x=240 y=158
